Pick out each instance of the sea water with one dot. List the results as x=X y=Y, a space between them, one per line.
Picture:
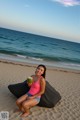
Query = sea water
x=36 y=49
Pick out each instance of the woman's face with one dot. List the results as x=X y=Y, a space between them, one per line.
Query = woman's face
x=39 y=71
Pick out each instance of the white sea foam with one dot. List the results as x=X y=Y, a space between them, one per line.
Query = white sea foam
x=33 y=58
x=21 y=56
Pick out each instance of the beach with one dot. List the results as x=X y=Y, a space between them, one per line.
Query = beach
x=66 y=82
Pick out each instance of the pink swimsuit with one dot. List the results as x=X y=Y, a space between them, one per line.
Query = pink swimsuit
x=35 y=88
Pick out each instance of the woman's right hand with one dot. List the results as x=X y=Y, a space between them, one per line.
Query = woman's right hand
x=29 y=84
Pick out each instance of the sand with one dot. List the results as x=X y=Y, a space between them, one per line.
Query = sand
x=66 y=82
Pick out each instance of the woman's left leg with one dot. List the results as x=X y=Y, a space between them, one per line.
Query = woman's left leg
x=20 y=100
x=27 y=105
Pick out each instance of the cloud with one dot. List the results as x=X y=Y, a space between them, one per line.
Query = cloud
x=68 y=2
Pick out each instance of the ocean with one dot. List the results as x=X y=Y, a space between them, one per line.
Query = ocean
x=36 y=49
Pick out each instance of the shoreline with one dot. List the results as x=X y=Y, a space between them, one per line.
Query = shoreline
x=34 y=65
x=33 y=61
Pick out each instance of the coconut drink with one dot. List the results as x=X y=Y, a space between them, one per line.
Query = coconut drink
x=29 y=81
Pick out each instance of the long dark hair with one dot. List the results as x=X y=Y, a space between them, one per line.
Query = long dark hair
x=41 y=65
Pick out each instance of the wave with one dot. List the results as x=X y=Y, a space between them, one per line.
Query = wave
x=3 y=37
x=32 y=58
x=40 y=56
x=21 y=56
x=6 y=38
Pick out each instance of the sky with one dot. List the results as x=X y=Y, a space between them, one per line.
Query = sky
x=52 y=18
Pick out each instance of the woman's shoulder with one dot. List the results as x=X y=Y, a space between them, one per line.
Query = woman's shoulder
x=42 y=78
x=42 y=81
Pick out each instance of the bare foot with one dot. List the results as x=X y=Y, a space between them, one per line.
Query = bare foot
x=25 y=114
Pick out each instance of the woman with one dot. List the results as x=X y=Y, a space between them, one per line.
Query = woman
x=32 y=98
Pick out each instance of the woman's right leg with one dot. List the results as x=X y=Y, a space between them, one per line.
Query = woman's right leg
x=20 y=100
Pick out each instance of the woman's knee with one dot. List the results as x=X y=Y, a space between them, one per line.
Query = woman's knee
x=18 y=101
x=25 y=105
x=21 y=99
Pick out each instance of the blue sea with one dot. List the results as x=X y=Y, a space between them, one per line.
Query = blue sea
x=31 y=48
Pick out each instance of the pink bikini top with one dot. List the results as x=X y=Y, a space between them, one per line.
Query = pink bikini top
x=35 y=87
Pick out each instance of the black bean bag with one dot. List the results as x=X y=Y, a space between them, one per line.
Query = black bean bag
x=19 y=89
x=48 y=99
